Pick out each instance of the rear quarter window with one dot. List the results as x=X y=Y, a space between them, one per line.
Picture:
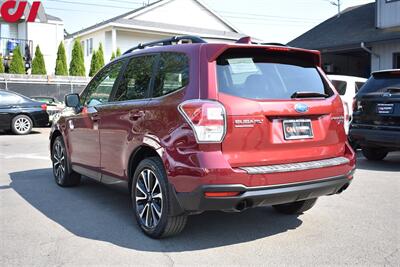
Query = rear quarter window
x=258 y=74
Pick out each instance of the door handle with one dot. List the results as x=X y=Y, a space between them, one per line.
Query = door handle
x=136 y=115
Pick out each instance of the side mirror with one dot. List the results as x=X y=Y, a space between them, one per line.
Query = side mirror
x=72 y=100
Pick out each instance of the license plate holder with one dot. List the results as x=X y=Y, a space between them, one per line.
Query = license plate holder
x=298 y=129
x=385 y=109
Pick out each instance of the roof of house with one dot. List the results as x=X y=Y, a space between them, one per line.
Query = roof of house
x=51 y=17
x=355 y=25
x=121 y=19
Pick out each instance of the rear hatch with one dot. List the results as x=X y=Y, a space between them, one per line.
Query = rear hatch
x=378 y=102
x=280 y=107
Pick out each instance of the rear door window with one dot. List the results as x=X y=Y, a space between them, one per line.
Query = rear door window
x=257 y=74
x=173 y=74
x=341 y=86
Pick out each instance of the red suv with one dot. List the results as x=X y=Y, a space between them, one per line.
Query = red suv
x=191 y=126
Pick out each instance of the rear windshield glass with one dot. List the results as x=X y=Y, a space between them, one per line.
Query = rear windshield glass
x=259 y=74
x=381 y=83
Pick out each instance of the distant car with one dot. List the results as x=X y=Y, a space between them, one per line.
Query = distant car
x=347 y=87
x=20 y=114
x=54 y=106
x=376 y=124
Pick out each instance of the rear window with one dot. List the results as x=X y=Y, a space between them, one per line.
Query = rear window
x=341 y=86
x=259 y=74
x=381 y=82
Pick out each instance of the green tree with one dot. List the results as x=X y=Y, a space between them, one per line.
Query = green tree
x=112 y=56
x=119 y=52
x=38 y=65
x=77 y=65
x=93 y=64
x=1 y=64
x=61 y=62
x=100 y=57
x=17 y=65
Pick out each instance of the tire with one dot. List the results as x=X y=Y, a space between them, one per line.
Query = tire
x=376 y=154
x=151 y=203
x=21 y=125
x=63 y=174
x=296 y=208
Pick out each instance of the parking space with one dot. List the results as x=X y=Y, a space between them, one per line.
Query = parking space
x=43 y=224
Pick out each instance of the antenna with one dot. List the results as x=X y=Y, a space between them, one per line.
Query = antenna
x=337 y=3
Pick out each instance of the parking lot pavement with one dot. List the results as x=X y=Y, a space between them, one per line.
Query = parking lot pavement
x=44 y=225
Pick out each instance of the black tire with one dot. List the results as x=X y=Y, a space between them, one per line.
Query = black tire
x=374 y=154
x=21 y=125
x=156 y=198
x=296 y=207
x=63 y=174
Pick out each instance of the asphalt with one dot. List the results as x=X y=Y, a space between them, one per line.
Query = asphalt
x=42 y=224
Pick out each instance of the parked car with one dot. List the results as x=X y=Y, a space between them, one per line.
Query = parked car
x=347 y=87
x=376 y=125
x=54 y=106
x=196 y=127
x=20 y=114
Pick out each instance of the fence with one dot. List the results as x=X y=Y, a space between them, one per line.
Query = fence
x=36 y=85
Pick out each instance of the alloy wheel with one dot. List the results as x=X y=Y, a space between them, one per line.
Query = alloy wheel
x=58 y=161
x=149 y=199
x=22 y=125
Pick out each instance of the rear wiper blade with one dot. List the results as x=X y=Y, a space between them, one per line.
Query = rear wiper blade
x=303 y=94
x=392 y=90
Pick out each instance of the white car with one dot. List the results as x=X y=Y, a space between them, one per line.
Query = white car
x=347 y=87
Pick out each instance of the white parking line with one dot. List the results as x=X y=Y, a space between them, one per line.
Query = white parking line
x=24 y=156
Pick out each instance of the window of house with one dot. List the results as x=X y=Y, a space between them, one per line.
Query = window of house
x=173 y=74
x=89 y=46
x=136 y=79
x=396 y=60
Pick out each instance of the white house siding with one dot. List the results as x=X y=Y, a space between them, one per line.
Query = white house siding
x=385 y=52
x=184 y=12
x=388 y=13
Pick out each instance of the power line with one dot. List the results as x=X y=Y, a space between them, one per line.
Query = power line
x=265 y=16
x=88 y=4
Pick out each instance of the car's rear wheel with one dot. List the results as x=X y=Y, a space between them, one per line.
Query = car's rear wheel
x=62 y=172
x=151 y=203
x=21 y=125
x=374 y=154
x=296 y=207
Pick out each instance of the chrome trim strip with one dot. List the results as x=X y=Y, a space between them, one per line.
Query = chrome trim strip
x=292 y=167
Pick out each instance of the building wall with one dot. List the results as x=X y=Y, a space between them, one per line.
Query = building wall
x=48 y=36
x=194 y=15
x=385 y=52
x=388 y=13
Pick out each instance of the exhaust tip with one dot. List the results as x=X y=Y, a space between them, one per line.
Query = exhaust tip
x=243 y=205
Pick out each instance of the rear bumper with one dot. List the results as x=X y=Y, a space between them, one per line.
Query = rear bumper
x=249 y=197
x=376 y=138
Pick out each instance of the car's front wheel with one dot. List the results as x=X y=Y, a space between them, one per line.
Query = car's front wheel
x=21 y=125
x=62 y=172
x=296 y=207
x=151 y=203
x=374 y=154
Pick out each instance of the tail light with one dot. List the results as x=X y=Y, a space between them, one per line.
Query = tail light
x=357 y=105
x=44 y=107
x=206 y=118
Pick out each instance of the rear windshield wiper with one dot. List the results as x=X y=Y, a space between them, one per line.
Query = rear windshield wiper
x=392 y=90
x=303 y=94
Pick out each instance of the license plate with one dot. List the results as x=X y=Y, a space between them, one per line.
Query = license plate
x=297 y=129
x=385 y=109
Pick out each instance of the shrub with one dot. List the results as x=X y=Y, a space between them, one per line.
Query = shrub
x=93 y=64
x=17 y=65
x=112 y=56
x=77 y=65
x=100 y=57
x=119 y=52
x=1 y=64
x=61 y=62
x=38 y=65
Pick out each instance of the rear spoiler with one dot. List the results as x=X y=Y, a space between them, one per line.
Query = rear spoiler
x=215 y=50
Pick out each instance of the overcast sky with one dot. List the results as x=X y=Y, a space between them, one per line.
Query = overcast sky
x=269 y=20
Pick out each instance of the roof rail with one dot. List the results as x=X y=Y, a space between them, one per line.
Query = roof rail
x=170 y=41
x=276 y=44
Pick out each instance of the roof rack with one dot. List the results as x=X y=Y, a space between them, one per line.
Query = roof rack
x=170 y=41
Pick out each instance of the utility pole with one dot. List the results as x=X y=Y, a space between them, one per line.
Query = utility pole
x=337 y=3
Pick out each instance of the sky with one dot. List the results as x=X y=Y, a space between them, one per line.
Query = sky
x=269 y=20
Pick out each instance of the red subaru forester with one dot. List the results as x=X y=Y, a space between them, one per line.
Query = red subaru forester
x=191 y=126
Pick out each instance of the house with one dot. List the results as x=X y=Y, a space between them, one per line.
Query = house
x=362 y=39
x=159 y=20
x=47 y=32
